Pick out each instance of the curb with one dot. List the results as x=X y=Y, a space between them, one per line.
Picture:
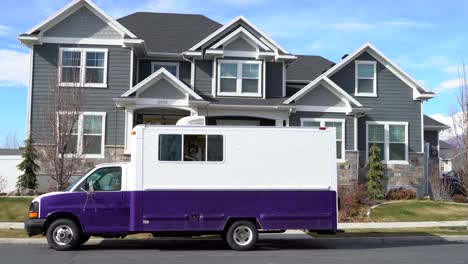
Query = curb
x=373 y=240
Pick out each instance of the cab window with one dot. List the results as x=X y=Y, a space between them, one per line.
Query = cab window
x=105 y=180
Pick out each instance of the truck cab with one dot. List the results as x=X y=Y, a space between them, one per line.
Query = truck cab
x=96 y=203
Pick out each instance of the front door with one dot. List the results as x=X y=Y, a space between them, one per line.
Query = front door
x=108 y=205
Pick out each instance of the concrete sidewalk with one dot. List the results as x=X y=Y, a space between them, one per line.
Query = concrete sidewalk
x=16 y=225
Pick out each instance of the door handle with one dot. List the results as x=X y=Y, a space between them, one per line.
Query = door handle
x=194 y=217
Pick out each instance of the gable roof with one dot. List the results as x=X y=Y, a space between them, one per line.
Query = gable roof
x=224 y=29
x=431 y=123
x=157 y=75
x=307 y=67
x=418 y=91
x=70 y=9
x=172 y=33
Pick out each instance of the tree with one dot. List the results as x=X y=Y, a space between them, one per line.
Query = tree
x=61 y=155
x=28 y=166
x=375 y=174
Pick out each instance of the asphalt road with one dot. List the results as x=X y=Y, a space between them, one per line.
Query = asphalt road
x=215 y=251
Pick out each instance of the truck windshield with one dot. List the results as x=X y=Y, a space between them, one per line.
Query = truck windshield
x=76 y=181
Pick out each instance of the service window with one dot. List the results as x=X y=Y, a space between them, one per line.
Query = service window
x=170 y=147
x=215 y=148
x=194 y=147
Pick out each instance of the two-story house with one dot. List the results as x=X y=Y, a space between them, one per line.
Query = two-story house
x=155 y=68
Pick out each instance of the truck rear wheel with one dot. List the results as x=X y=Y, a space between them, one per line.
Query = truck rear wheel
x=63 y=234
x=242 y=235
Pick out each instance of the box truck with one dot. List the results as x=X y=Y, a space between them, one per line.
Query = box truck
x=195 y=180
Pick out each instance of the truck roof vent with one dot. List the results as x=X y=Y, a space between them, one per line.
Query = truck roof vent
x=192 y=121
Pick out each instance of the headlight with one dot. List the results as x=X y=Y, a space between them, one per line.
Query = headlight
x=34 y=210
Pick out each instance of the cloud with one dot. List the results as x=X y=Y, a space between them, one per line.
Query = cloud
x=448 y=85
x=14 y=68
x=4 y=30
x=449 y=121
x=408 y=24
x=453 y=69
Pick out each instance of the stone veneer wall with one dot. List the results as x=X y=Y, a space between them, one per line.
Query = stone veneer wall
x=47 y=184
x=348 y=171
x=409 y=175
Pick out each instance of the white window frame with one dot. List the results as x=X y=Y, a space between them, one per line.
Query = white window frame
x=386 y=149
x=343 y=132
x=80 y=135
x=166 y=63
x=239 y=78
x=206 y=161
x=82 y=80
x=356 y=83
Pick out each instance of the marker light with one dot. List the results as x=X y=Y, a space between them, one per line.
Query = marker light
x=322 y=128
x=133 y=133
x=33 y=215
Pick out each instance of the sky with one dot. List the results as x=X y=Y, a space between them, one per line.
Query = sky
x=428 y=39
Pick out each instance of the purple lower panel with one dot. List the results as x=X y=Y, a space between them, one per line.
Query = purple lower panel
x=146 y=211
x=209 y=210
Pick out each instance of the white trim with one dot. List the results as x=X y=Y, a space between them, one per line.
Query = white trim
x=131 y=68
x=74 y=6
x=322 y=124
x=328 y=109
x=327 y=83
x=30 y=84
x=157 y=75
x=356 y=78
x=355 y=133
x=213 y=79
x=236 y=53
x=166 y=63
x=239 y=78
x=82 y=41
x=240 y=33
x=82 y=82
x=192 y=74
x=232 y=22
x=387 y=142
x=80 y=135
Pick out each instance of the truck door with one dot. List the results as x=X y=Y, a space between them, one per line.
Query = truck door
x=107 y=205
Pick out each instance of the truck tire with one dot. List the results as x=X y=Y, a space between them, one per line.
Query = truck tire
x=242 y=235
x=63 y=234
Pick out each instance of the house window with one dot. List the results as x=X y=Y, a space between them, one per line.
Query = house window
x=338 y=124
x=83 y=67
x=190 y=148
x=87 y=137
x=239 y=78
x=172 y=67
x=391 y=138
x=366 y=78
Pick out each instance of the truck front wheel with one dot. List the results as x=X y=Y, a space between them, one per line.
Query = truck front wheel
x=63 y=234
x=242 y=235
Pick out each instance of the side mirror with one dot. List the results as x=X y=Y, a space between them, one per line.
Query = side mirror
x=91 y=187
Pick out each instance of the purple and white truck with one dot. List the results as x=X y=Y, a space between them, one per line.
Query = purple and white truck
x=195 y=180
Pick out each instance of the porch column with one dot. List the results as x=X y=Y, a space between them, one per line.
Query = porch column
x=128 y=128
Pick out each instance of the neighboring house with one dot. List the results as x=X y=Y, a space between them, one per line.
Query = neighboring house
x=155 y=68
x=9 y=172
x=450 y=156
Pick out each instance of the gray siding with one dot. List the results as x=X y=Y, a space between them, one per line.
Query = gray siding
x=184 y=70
x=83 y=24
x=203 y=74
x=394 y=102
x=97 y=99
x=432 y=137
x=274 y=79
x=321 y=96
x=295 y=120
x=162 y=89
x=240 y=44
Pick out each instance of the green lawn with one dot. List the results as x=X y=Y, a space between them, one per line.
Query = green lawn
x=14 y=209
x=416 y=210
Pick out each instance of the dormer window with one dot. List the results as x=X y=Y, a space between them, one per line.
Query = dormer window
x=239 y=78
x=366 y=78
x=172 y=67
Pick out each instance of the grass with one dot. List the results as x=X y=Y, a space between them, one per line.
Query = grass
x=14 y=209
x=417 y=210
x=395 y=232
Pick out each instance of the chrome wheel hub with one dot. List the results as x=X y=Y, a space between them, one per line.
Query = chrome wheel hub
x=63 y=235
x=242 y=235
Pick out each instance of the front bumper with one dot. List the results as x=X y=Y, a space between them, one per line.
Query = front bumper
x=34 y=226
